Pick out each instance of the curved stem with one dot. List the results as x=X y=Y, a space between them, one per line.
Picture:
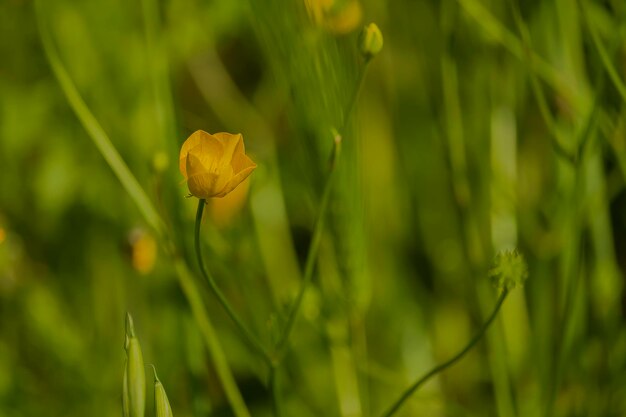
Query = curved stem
x=211 y=339
x=250 y=338
x=450 y=361
x=319 y=222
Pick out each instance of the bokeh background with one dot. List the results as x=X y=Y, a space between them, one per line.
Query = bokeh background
x=482 y=125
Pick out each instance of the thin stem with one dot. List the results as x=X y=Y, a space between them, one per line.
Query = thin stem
x=318 y=228
x=450 y=361
x=605 y=54
x=538 y=65
x=557 y=139
x=273 y=383
x=251 y=339
x=211 y=339
x=355 y=94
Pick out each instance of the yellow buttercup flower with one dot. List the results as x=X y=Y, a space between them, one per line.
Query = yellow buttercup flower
x=337 y=16
x=213 y=165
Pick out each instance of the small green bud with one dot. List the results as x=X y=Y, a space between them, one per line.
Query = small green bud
x=508 y=270
x=134 y=375
x=370 y=41
x=161 y=403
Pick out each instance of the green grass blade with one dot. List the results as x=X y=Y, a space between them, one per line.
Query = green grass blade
x=95 y=131
x=490 y=24
x=208 y=333
x=604 y=55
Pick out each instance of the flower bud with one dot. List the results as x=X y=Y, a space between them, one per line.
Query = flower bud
x=370 y=41
x=508 y=270
x=339 y=17
x=134 y=395
x=161 y=403
x=213 y=165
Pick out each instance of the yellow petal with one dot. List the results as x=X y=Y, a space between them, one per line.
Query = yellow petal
x=213 y=165
x=242 y=167
x=203 y=182
x=240 y=176
x=231 y=144
x=213 y=147
x=241 y=161
x=208 y=156
x=345 y=20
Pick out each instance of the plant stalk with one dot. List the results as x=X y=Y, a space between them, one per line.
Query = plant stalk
x=441 y=367
x=250 y=338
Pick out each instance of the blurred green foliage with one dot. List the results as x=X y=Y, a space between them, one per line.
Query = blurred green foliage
x=482 y=125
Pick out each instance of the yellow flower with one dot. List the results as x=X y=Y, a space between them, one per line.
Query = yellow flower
x=213 y=165
x=338 y=16
x=143 y=250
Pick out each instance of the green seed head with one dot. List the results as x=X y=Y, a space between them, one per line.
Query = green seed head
x=161 y=403
x=134 y=374
x=370 y=41
x=509 y=270
x=130 y=326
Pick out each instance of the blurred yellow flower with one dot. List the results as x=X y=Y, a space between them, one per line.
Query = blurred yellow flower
x=338 y=16
x=213 y=165
x=143 y=251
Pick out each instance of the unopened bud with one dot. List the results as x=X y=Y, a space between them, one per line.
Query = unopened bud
x=161 y=403
x=134 y=386
x=370 y=41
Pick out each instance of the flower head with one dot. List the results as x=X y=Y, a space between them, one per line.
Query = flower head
x=370 y=40
x=509 y=269
x=337 y=16
x=213 y=165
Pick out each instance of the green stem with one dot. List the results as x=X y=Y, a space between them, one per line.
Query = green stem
x=544 y=70
x=309 y=265
x=211 y=339
x=273 y=383
x=251 y=339
x=318 y=228
x=95 y=131
x=557 y=139
x=605 y=54
x=354 y=95
x=450 y=361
